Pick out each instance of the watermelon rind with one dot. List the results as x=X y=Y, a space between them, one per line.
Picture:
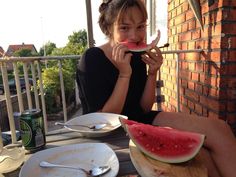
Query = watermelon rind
x=125 y=122
x=149 y=147
x=142 y=47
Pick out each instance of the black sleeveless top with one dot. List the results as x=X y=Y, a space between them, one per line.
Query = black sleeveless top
x=97 y=76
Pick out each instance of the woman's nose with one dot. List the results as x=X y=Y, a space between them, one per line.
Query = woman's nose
x=133 y=35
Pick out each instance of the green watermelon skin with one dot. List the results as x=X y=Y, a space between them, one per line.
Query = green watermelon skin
x=165 y=144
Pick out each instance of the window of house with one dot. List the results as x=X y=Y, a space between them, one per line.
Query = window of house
x=158 y=19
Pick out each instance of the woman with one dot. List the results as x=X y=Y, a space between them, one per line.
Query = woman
x=111 y=79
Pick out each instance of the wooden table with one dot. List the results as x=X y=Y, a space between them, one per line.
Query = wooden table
x=117 y=140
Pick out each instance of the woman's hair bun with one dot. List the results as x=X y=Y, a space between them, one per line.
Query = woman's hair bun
x=104 y=5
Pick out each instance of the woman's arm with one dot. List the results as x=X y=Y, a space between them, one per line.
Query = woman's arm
x=153 y=59
x=148 y=96
x=116 y=101
x=121 y=59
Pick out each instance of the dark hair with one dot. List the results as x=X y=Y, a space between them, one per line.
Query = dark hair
x=113 y=10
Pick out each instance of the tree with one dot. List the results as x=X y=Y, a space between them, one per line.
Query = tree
x=76 y=46
x=49 y=47
x=23 y=53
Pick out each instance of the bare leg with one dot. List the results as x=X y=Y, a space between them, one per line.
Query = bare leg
x=220 y=140
x=209 y=163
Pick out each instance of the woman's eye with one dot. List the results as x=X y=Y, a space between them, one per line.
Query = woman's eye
x=124 y=28
x=142 y=27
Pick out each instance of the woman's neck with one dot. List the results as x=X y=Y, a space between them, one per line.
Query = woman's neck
x=107 y=49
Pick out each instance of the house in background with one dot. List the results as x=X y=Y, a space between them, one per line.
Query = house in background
x=13 y=48
x=1 y=51
x=17 y=47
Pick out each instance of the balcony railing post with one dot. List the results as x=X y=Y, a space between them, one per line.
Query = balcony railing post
x=42 y=97
x=9 y=102
x=18 y=89
x=35 y=85
x=62 y=91
x=26 y=76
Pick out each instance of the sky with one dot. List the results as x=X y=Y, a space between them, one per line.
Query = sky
x=40 y=21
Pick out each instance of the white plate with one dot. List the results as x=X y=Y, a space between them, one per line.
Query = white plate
x=85 y=155
x=95 y=118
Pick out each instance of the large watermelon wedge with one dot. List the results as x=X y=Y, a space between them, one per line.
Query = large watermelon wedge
x=163 y=143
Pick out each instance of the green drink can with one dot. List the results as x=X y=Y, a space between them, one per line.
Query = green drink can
x=32 y=130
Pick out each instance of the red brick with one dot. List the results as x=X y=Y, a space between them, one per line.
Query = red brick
x=192 y=56
x=184 y=27
x=191 y=85
x=191 y=45
x=215 y=43
x=232 y=56
x=185 y=36
x=191 y=66
x=190 y=104
x=231 y=106
x=199 y=88
x=192 y=94
x=229 y=28
x=191 y=24
x=198 y=109
x=199 y=67
x=196 y=34
x=195 y=76
x=189 y=15
x=185 y=5
x=212 y=115
x=215 y=56
x=179 y=19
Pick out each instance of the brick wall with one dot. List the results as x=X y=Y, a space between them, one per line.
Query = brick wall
x=207 y=80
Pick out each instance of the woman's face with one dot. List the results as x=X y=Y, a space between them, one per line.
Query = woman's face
x=131 y=28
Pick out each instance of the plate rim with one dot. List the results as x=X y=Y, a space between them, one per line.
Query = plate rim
x=72 y=146
x=93 y=133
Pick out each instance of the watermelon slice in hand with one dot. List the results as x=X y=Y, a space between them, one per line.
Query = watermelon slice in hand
x=141 y=46
x=163 y=143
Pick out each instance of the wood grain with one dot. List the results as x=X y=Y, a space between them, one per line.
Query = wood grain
x=148 y=167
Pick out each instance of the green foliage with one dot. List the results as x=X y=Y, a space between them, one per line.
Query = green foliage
x=51 y=84
x=24 y=53
x=49 y=47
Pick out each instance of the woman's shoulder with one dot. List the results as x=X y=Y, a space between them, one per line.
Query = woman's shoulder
x=93 y=51
x=91 y=58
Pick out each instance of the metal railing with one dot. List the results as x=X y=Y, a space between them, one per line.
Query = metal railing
x=39 y=61
x=35 y=64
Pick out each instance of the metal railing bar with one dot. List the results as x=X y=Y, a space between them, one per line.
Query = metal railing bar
x=18 y=89
x=35 y=89
x=42 y=98
x=9 y=103
x=23 y=59
x=26 y=76
x=182 y=51
x=62 y=91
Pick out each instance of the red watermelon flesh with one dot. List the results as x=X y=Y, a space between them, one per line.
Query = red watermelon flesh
x=142 y=46
x=125 y=122
x=165 y=144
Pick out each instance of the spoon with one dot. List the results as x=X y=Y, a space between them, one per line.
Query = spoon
x=93 y=127
x=96 y=171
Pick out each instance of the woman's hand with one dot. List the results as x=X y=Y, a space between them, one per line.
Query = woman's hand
x=121 y=59
x=153 y=58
